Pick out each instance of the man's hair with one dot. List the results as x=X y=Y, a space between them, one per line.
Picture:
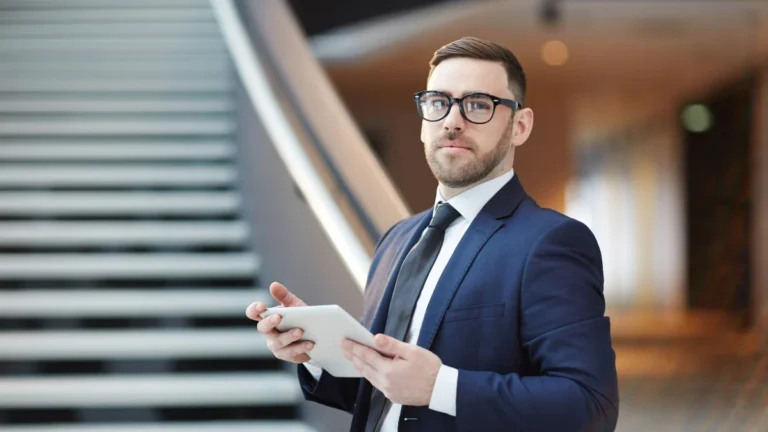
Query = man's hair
x=479 y=49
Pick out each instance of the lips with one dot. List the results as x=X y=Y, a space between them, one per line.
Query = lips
x=453 y=145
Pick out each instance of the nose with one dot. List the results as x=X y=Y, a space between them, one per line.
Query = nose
x=454 y=121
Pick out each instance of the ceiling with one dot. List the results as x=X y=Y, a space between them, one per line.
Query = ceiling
x=318 y=16
x=682 y=45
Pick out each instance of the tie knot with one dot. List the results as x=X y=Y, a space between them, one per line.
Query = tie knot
x=445 y=214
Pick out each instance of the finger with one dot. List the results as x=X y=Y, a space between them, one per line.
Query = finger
x=369 y=357
x=284 y=339
x=267 y=325
x=254 y=311
x=294 y=350
x=367 y=372
x=347 y=345
x=391 y=346
x=285 y=297
x=303 y=347
x=364 y=368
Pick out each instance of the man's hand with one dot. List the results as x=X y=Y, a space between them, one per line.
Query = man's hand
x=283 y=345
x=407 y=378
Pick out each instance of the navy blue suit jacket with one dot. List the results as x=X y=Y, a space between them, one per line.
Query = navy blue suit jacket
x=519 y=311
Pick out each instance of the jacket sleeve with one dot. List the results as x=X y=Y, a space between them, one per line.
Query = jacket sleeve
x=339 y=393
x=567 y=339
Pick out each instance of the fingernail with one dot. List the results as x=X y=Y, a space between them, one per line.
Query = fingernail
x=308 y=345
x=297 y=332
x=275 y=318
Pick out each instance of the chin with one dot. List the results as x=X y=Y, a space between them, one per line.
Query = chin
x=452 y=178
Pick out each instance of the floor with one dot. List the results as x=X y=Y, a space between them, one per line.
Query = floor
x=689 y=373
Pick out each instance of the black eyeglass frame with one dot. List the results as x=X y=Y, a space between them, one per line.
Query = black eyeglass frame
x=513 y=104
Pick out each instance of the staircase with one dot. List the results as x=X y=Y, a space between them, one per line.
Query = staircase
x=125 y=265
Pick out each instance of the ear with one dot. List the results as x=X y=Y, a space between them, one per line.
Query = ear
x=523 y=126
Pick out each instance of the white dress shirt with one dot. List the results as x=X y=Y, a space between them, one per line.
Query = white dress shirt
x=468 y=203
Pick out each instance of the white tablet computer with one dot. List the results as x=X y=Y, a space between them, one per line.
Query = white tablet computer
x=326 y=326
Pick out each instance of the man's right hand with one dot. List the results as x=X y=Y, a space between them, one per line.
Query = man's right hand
x=284 y=345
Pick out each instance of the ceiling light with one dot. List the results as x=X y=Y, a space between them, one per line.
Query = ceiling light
x=554 y=53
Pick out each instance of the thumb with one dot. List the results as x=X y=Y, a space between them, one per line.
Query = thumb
x=285 y=297
x=391 y=346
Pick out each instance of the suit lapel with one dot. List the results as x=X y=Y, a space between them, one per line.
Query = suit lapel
x=411 y=237
x=488 y=221
x=482 y=228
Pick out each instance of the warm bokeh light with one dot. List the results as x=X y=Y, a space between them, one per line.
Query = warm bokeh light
x=555 y=53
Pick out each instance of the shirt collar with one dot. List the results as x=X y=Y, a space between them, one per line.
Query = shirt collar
x=471 y=201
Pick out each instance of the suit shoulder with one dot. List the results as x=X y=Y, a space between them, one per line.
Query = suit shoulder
x=403 y=226
x=545 y=220
x=408 y=223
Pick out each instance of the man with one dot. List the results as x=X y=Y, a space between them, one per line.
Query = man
x=488 y=310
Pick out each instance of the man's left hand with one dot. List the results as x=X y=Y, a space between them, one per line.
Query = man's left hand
x=405 y=373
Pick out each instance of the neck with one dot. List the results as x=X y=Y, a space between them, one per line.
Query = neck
x=448 y=192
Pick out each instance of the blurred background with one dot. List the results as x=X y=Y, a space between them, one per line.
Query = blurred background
x=161 y=162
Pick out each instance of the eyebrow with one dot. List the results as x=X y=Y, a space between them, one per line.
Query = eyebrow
x=449 y=93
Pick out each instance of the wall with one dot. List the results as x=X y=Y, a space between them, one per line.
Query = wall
x=544 y=163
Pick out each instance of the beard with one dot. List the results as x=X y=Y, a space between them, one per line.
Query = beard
x=451 y=172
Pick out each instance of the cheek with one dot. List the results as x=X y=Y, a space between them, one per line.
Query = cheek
x=429 y=131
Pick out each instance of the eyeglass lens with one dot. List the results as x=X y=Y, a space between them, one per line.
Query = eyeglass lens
x=435 y=106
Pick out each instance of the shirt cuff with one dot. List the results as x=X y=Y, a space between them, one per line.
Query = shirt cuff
x=314 y=369
x=444 y=394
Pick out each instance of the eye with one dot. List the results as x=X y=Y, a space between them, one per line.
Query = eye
x=438 y=103
x=478 y=106
x=478 y=103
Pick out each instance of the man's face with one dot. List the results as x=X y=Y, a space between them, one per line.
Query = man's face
x=461 y=153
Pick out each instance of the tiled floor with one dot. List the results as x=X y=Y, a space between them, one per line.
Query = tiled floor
x=689 y=374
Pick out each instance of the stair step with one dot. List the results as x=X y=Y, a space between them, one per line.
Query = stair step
x=169 y=29
x=180 y=84
x=41 y=45
x=117 y=203
x=105 y=66
x=110 y=150
x=70 y=104
x=127 y=233
x=134 y=303
x=76 y=16
x=133 y=344
x=127 y=266
x=100 y=4
x=266 y=388
x=105 y=175
x=207 y=426
x=86 y=127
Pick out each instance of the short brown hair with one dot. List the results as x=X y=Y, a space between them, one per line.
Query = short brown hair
x=471 y=47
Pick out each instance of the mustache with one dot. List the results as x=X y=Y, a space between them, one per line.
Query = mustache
x=454 y=136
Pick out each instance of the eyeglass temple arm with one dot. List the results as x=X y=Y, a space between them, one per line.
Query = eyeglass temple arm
x=515 y=105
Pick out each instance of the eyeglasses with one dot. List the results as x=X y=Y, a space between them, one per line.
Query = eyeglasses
x=477 y=108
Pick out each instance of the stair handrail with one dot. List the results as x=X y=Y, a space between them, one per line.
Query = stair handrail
x=286 y=140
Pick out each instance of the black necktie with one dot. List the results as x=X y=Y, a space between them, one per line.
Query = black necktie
x=410 y=280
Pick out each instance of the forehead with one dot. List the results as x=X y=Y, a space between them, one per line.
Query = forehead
x=458 y=76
